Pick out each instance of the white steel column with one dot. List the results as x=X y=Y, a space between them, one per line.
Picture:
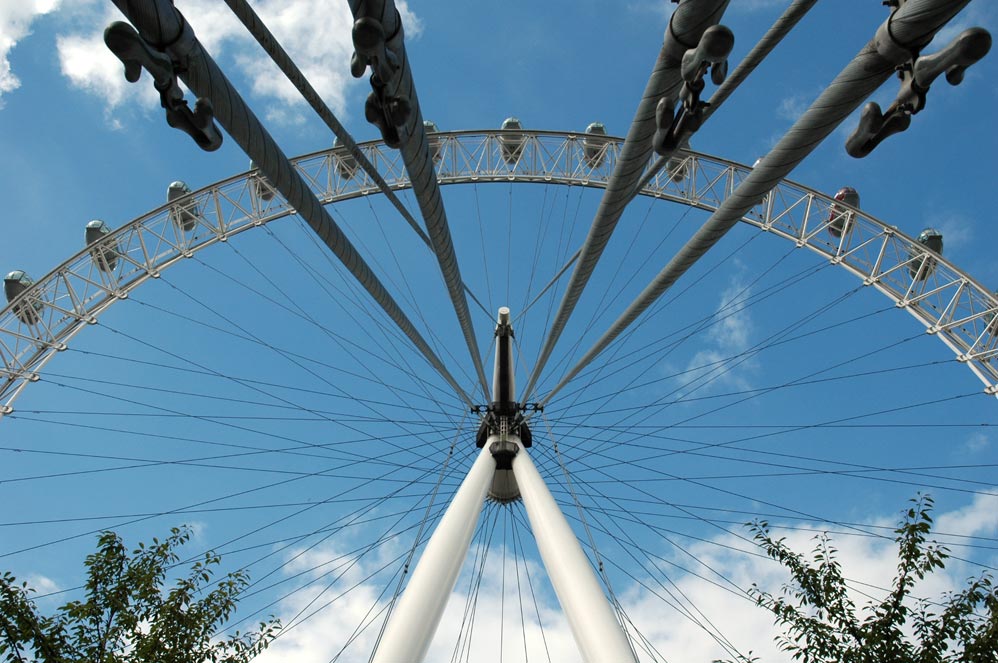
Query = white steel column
x=415 y=619
x=597 y=633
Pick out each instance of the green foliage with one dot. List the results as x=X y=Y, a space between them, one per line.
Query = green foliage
x=821 y=623
x=129 y=615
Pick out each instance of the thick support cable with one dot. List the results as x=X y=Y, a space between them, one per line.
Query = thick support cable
x=686 y=26
x=780 y=29
x=419 y=164
x=907 y=31
x=163 y=27
x=256 y=27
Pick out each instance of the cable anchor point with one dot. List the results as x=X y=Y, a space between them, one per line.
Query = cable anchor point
x=916 y=75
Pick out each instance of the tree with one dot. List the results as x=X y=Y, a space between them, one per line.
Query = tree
x=128 y=615
x=820 y=620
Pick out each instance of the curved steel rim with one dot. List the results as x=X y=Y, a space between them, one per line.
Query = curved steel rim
x=951 y=305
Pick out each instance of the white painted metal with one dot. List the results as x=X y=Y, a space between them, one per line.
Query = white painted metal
x=414 y=620
x=953 y=306
x=596 y=630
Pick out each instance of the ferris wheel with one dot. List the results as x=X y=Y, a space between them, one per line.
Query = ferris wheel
x=334 y=395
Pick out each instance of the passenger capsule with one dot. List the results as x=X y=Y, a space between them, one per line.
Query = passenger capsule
x=840 y=218
x=26 y=311
x=594 y=147
x=184 y=214
x=261 y=185
x=346 y=164
x=435 y=146
x=678 y=168
x=511 y=142
x=931 y=239
x=105 y=256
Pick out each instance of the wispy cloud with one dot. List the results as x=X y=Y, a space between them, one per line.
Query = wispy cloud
x=868 y=562
x=322 y=54
x=729 y=334
x=15 y=24
x=976 y=443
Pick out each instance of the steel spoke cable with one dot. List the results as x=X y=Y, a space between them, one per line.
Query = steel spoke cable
x=660 y=402
x=296 y=450
x=517 y=555
x=343 y=563
x=518 y=521
x=325 y=284
x=273 y=48
x=542 y=221
x=480 y=224
x=352 y=562
x=640 y=463
x=761 y=515
x=780 y=29
x=567 y=482
x=602 y=306
x=633 y=544
x=331 y=453
x=248 y=380
x=210 y=370
x=228 y=496
x=158 y=22
x=686 y=26
x=742 y=497
x=342 y=341
x=692 y=329
x=631 y=512
x=358 y=298
x=564 y=244
x=412 y=551
x=765 y=389
x=466 y=630
x=727 y=310
x=271 y=395
x=912 y=25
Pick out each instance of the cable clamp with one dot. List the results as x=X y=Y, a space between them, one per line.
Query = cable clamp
x=136 y=54
x=371 y=49
x=916 y=75
x=710 y=54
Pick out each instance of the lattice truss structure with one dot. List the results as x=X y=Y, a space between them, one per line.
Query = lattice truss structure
x=45 y=317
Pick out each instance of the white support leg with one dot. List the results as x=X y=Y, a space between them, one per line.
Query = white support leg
x=597 y=633
x=417 y=614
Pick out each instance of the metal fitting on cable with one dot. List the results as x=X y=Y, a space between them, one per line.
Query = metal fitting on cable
x=163 y=62
x=916 y=73
x=710 y=54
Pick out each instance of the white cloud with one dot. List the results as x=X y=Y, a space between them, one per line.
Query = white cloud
x=792 y=107
x=323 y=55
x=976 y=443
x=15 y=24
x=957 y=231
x=729 y=335
x=868 y=562
x=42 y=584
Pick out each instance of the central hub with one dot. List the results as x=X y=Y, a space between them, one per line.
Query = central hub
x=502 y=427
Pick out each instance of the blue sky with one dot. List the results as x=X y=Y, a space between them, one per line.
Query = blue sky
x=262 y=344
